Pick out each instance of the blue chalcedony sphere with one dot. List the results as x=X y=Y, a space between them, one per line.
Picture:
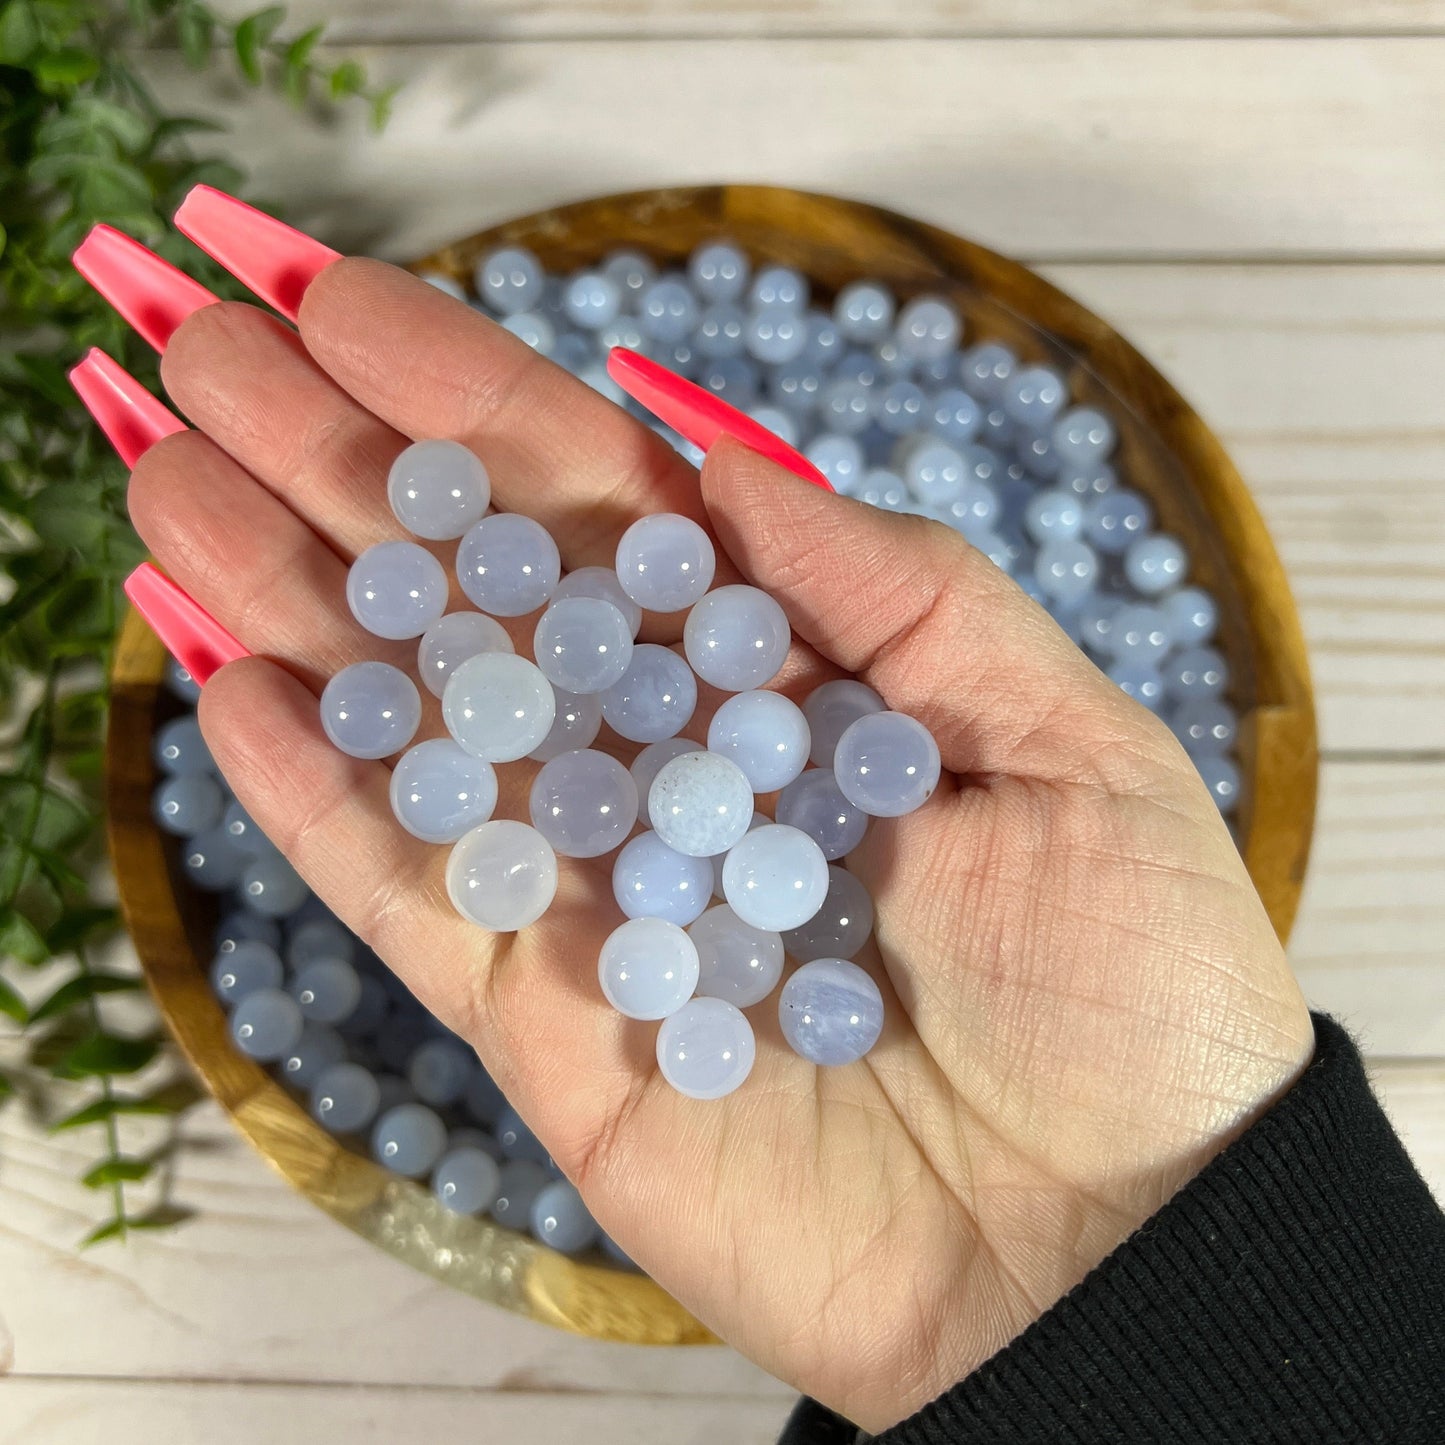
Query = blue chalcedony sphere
x=437 y=489
x=706 y=1049
x=651 y=880
x=508 y=564
x=452 y=639
x=584 y=803
x=582 y=644
x=502 y=875
x=498 y=706
x=737 y=638
x=841 y=925
x=654 y=698
x=648 y=968
x=765 y=734
x=560 y=1219
x=440 y=791
x=775 y=878
x=466 y=1180
x=370 y=710
x=408 y=1140
x=700 y=803
x=814 y=804
x=736 y=961
x=887 y=764
x=831 y=1012
x=601 y=583
x=396 y=589
x=665 y=562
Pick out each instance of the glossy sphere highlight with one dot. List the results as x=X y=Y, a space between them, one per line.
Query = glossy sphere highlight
x=518 y=1185
x=650 y=762
x=887 y=764
x=187 y=804
x=510 y=280
x=648 y=968
x=665 y=562
x=814 y=803
x=700 y=804
x=437 y=489
x=498 y=706
x=345 y=1098
x=266 y=1023
x=576 y=725
x=706 y=1049
x=831 y=708
x=654 y=698
x=765 y=734
x=840 y=927
x=1155 y=564
x=408 y=1140
x=450 y=640
x=508 y=565
x=466 y=1180
x=736 y=961
x=582 y=644
x=831 y=1012
x=244 y=969
x=651 y=880
x=270 y=885
x=370 y=710
x=180 y=748
x=396 y=589
x=560 y=1219
x=601 y=583
x=775 y=878
x=327 y=989
x=440 y=791
x=502 y=875
x=737 y=638
x=584 y=804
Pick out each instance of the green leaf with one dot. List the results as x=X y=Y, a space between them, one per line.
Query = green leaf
x=78 y=926
x=6 y=1088
x=197 y=31
x=163 y=1216
x=297 y=63
x=116 y=1171
x=251 y=35
x=61 y=69
x=347 y=79
x=19 y=32
x=106 y=1054
x=173 y=1098
x=12 y=1004
x=381 y=105
x=19 y=938
x=82 y=987
x=111 y=1229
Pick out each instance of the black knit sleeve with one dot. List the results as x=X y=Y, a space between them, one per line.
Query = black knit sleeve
x=1293 y=1291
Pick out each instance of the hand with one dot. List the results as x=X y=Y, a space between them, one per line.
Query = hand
x=1085 y=1000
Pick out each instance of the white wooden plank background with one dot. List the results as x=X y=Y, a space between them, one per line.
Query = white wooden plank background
x=1264 y=215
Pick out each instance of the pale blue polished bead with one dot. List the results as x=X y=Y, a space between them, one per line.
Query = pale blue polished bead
x=240 y=827
x=537 y=330
x=601 y=583
x=323 y=937
x=841 y=925
x=239 y=971
x=623 y=331
x=736 y=638
x=776 y=334
x=986 y=370
x=180 y=748
x=975 y=510
x=188 y=803
x=502 y=875
x=1155 y=564
x=508 y=565
x=665 y=562
x=1193 y=616
x=814 y=804
x=1052 y=515
x=498 y=706
x=1143 y=684
x=396 y=590
x=444 y=284
x=796 y=386
x=893 y=362
x=736 y=961
x=1088 y=482
x=700 y=804
x=706 y=1049
x=437 y=489
x=845 y=406
x=779 y=286
x=1195 y=675
x=1115 y=520
x=1221 y=777
x=997 y=550
x=572 y=351
x=1138 y=636
x=765 y=734
x=345 y=1098
x=408 y=1140
x=1083 y=436
x=775 y=878
x=327 y=989
x=584 y=804
x=440 y=1070
x=1205 y=726
x=954 y=415
x=933 y=472
x=887 y=764
x=1034 y=396
x=582 y=644
x=1066 y=570
x=466 y=1180
x=882 y=489
x=270 y=885
x=760 y=820
x=518 y=1185
x=591 y=300
x=1035 y=451
x=654 y=698
x=649 y=762
x=825 y=342
x=863 y=311
x=1096 y=624
x=840 y=459
x=651 y=880
x=560 y=1219
x=781 y=423
x=266 y=1023
x=180 y=684
x=667 y=310
x=719 y=271
x=451 y=640
x=648 y=968
x=831 y=708
x=510 y=279
x=440 y=791
x=631 y=272
x=900 y=407
x=831 y=1012
x=998 y=430
x=720 y=331
x=576 y=725
x=319 y=1048
x=241 y=925
x=929 y=328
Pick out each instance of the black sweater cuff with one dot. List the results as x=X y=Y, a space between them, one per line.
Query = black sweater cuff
x=1293 y=1291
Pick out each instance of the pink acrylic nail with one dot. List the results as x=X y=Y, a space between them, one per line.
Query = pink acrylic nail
x=191 y=635
x=131 y=418
x=149 y=292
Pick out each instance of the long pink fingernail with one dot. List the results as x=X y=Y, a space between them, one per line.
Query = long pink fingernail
x=276 y=261
x=131 y=418
x=150 y=293
x=699 y=415
x=191 y=635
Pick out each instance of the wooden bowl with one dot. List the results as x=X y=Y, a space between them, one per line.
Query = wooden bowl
x=1165 y=450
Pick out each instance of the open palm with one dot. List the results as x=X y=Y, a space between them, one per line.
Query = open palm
x=1084 y=997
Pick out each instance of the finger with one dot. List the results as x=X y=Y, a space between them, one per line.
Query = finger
x=931 y=623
